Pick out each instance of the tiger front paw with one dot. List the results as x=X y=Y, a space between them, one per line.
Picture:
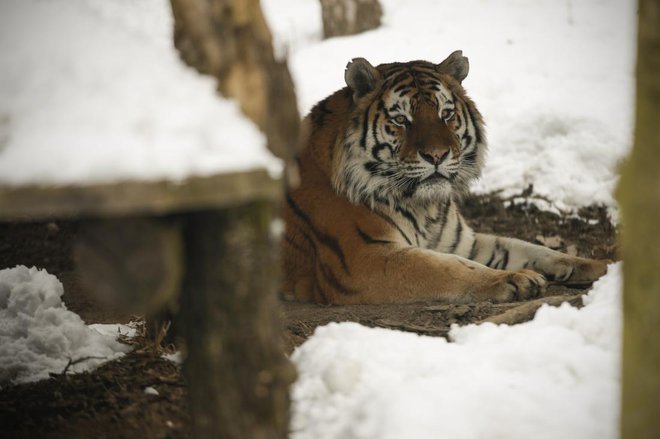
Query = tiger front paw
x=513 y=286
x=574 y=271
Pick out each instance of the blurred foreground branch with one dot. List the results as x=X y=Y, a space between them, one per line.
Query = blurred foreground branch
x=639 y=196
x=230 y=40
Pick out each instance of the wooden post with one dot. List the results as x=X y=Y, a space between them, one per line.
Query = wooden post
x=639 y=195
x=237 y=373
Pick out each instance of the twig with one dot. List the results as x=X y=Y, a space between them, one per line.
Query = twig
x=74 y=362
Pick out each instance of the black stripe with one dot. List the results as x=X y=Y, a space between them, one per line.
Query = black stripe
x=325 y=239
x=295 y=245
x=492 y=256
x=505 y=259
x=391 y=222
x=410 y=217
x=365 y=129
x=374 y=125
x=473 y=250
x=442 y=219
x=320 y=111
x=405 y=88
x=333 y=282
x=457 y=236
x=473 y=119
x=399 y=77
x=318 y=291
x=445 y=214
x=368 y=239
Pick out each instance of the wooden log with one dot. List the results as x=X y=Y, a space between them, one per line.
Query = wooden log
x=135 y=198
x=236 y=370
x=525 y=312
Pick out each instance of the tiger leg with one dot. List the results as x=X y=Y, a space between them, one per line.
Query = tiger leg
x=514 y=254
x=407 y=274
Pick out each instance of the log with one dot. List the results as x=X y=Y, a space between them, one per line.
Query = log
x=236 y=369
x=525 y=312
x=135 y=198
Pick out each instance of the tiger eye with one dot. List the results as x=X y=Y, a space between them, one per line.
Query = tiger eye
x=400 y=119
x=448 y=114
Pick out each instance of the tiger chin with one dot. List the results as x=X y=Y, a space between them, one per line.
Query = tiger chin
x=375 y=218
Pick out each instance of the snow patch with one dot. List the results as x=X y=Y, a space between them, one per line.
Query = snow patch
x=93 y=91
x=555 y=376
x=39 y=336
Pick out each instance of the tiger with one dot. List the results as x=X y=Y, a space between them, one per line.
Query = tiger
x=375 y=218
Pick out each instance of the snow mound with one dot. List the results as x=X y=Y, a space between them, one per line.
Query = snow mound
x=93 y=91
x=38 y=335
x=555 y=376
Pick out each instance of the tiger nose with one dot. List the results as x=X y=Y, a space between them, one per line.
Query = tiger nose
x=434 y=157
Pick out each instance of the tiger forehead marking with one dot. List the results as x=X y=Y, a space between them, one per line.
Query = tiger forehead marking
x=415 y=136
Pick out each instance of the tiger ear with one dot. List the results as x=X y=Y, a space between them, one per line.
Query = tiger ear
x=361 y=77
x=455 y=65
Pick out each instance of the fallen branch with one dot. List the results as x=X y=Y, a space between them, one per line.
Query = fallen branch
x=409 y=327
x=525 y=312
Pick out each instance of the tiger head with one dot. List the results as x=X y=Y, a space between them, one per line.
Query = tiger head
x=412 y=134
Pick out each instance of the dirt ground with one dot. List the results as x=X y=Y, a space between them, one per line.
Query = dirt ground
x=110 y=402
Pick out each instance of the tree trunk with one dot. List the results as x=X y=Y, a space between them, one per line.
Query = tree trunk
x=236 y=371
x=639 y=195
x=349 y=17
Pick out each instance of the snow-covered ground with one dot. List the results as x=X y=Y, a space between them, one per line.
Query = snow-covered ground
x=39 y=336
x=92 y=90
x=554 y=377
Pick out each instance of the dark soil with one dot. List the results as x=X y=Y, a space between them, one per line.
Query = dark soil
x=110 y=402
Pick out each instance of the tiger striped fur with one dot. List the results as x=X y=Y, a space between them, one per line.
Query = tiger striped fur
x=375 y=218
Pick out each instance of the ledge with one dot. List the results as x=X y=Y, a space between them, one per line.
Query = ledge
x=136 y=198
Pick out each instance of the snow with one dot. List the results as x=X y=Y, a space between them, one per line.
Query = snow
x=555 y=376
x=39 y=336
x=174 y=357
x=93 y=91
x=151 y=391
x=554 y=81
